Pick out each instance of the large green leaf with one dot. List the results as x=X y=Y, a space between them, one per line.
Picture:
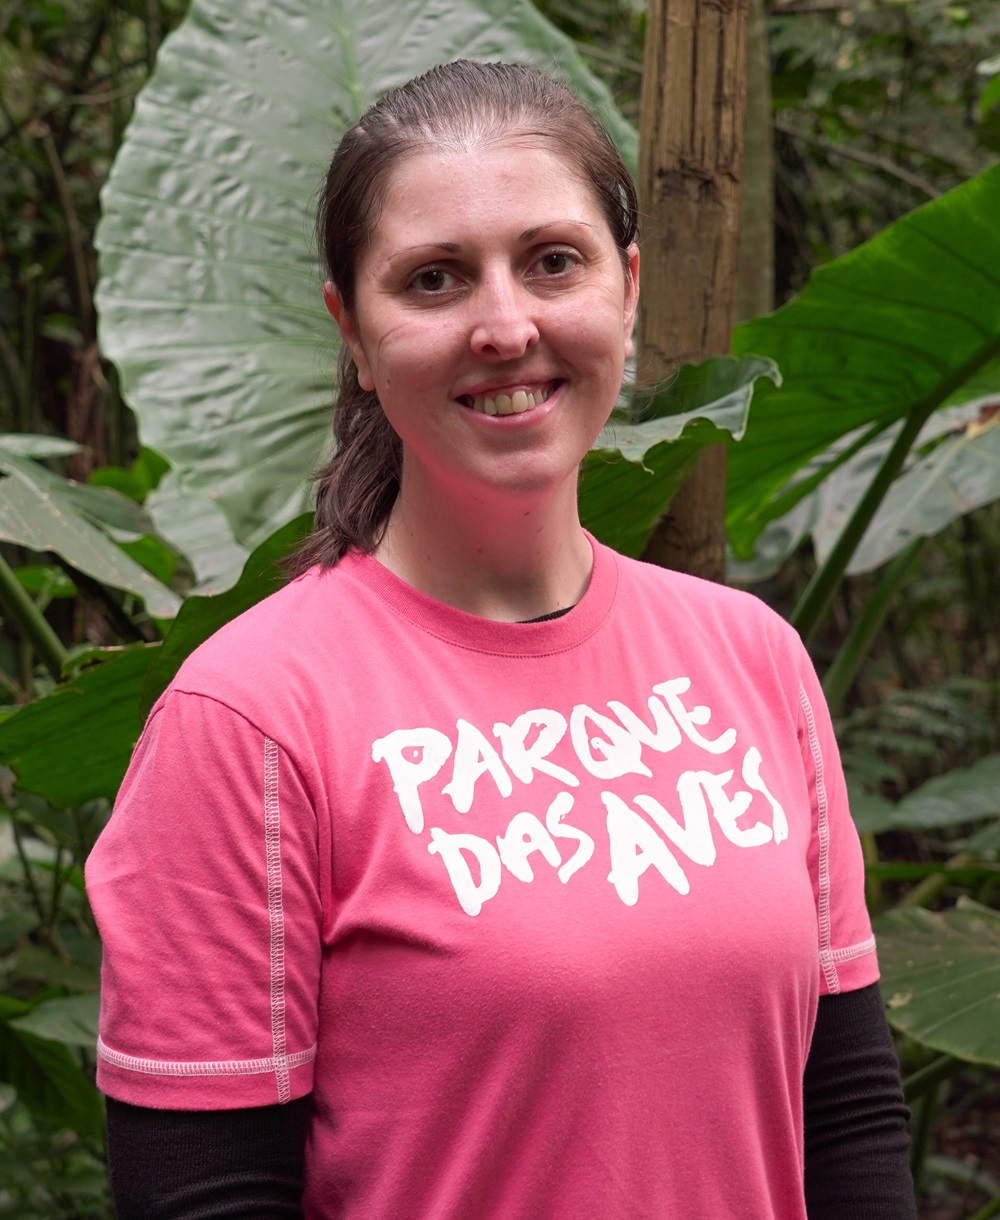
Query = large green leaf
x=634 y=470
x=74 y=744
x=43 y=512
x=210 y=294
x=195 y=525
x=203 y=615
x=15 y=926
x=96 y=718
x=941 y=978
x=71 y=1020
x=46 y=1076
x=908 y=322
x=40 y=965
x=969 y=794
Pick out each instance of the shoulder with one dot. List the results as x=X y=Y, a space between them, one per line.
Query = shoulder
x=272 y=648
x=717 y=627
x=697 y=600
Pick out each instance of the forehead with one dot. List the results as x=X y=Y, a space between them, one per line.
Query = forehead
x=486 y=188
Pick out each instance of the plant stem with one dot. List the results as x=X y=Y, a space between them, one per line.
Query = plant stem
x=29 y=876
x=873 y=883
x=114 y=613
x=10 y=365
x=816 y=600
x=929 y=889
x=922 y=1132
x=17 y=603
x=154 y=29
x=991 y=1209
x=929 y=1076
x=73 y=232
x=825 y=582
x=7 y=16
x=842 y=673
x=29 y=322
x=58 y=876
x=884 y=165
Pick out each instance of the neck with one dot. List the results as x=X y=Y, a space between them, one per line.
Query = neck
x=502 y=558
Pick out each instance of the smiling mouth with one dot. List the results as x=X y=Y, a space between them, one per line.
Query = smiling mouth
x=516 y=403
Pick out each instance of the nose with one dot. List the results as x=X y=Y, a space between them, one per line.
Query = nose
x=504 y=325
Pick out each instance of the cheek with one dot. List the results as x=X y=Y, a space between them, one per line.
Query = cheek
x=598 y=335
x=417 y=355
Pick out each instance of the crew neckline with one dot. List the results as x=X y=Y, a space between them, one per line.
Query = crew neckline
x=484 y=635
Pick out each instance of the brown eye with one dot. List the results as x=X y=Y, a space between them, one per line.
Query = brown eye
x=431 y=279
x=556 y=262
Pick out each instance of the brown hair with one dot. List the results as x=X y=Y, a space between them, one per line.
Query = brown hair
x=457 y=104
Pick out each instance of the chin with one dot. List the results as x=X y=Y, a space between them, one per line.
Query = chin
x=535 y=484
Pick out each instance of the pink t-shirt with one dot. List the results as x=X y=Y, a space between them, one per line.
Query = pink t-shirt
x=539 y=913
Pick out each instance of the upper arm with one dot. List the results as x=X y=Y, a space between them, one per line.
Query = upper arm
x=836 y=865
x=205 y=888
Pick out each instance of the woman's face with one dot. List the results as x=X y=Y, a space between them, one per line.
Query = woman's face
x=493 y=318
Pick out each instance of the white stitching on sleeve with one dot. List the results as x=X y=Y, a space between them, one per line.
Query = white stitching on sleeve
x=848 y=954
x=827 y=957
x=210 y=1067
x=276 y=917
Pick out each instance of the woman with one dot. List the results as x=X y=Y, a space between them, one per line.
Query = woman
x=514 y=877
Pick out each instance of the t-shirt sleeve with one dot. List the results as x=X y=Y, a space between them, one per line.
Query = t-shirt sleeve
x=836 y=866
x=205 y=888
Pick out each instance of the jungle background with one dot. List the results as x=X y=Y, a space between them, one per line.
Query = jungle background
x=883 y=119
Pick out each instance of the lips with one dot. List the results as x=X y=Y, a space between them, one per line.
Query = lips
x=509 y=402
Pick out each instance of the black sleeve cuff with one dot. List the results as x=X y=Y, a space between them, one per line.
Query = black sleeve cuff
x=201 y=1164
x=856 y=1143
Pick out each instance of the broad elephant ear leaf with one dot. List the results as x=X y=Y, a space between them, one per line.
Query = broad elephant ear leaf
x=906 y=323
x=210 y=291
x=634 y=469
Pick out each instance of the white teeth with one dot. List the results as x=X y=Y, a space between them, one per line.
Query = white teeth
x=510 y=404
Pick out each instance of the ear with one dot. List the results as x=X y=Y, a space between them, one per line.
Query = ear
x=348 y=326
x=631 y=295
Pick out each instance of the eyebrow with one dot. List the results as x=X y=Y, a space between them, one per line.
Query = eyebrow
x=531 y=234
x=454 y=247
x=447 y=247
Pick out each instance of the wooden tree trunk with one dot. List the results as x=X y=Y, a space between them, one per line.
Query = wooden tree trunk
x=690 y=169
x=755 y=274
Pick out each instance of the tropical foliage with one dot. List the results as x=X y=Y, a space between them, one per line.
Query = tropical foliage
x=862 y=420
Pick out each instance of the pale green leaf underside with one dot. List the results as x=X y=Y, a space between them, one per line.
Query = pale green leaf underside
x=41 y=512
x=961 y=474
x=958 y=472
